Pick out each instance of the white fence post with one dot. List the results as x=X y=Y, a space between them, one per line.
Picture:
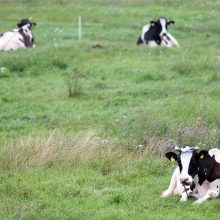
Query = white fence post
x=79 y=29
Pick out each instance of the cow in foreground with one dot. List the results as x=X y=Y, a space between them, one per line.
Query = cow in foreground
x=156 y=33
x=197 y=174
x=18 y=38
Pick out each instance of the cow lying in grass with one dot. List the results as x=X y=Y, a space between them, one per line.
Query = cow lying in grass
x=18 y=38
x=197 y=174
x=156 y=33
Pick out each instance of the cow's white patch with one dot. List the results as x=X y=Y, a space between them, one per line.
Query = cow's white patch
x=215 y=152
x=185 y=161
x=26 y=29
x=144 y=30
x=13 y=40
x=208 y=190
x=172 y=41
x=175 y=187
x=188 y=149
x=152 y=43
x=163 y=25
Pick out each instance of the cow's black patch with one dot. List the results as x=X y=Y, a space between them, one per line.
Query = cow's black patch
x=25 y=21
x=193 y=166
x=153 y=34
x=179 y=163
x=28 y=42
x=139 y=41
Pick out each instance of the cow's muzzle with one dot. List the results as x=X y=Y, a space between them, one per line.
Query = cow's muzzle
x=186 y=181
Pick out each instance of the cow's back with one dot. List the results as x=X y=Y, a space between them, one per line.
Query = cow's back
x=13 y=42
x=5 y=38
x=216 y=153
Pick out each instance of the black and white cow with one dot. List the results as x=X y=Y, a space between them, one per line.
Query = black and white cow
x=18 y=38
x=156 y=33
x=197 y=174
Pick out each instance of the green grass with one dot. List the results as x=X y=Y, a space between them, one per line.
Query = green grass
x=77 y=192
x=83 y=130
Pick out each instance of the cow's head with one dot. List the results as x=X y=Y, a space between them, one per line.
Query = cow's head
x=25 y=30
x=25 y=21
x=191 y=162
x=162 y=25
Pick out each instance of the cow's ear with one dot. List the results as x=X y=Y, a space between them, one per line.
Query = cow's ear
x=171 y=22
x=152 y=23
x=171 y=156
x=202 y=154
x=19 y=25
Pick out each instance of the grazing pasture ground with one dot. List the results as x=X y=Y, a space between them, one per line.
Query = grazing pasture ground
x=84 y=125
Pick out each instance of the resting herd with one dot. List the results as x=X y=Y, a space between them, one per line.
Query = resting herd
x=153 y=34
x=197 y=173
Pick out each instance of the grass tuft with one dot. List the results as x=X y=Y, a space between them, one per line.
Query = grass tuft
x=74 y=82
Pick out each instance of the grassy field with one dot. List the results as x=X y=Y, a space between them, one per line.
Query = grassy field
x=83 y=130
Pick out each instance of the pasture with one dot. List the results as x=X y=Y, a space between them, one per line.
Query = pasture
x=83 y=128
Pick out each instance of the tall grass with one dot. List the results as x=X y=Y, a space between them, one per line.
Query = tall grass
x=56 y=147
x=52 y=148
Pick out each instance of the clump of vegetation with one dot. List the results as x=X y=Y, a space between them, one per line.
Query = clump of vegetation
x=56 y=147
x=199 y=135
x=74 y=83
x=184 y=67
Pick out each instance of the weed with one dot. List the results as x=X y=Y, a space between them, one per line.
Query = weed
x=183 y=67
x=199 y=135
x=74 y=84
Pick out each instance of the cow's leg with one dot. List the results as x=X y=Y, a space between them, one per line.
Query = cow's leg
x=212 y=192
x=195 y=195
x=139 y=41
x=166 y=43
x=172 y=40
x=208 y=195
x=152 y=43
x=172 y=189
x=185 y=193
x=184 y=197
